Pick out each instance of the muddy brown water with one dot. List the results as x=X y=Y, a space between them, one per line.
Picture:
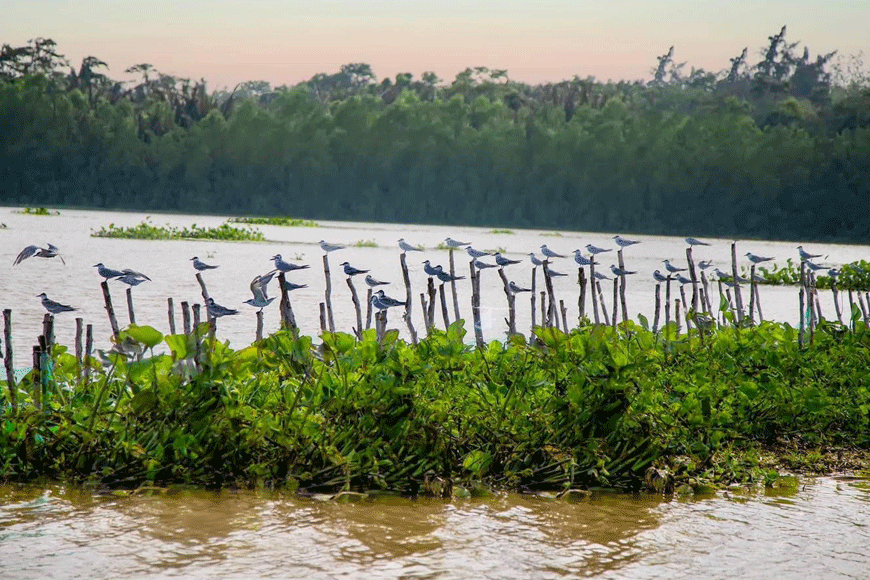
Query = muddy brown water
x=819 y=530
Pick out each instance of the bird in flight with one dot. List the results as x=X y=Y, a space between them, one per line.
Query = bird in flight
x=49 y=251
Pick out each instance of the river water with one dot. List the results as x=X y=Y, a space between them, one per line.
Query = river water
x=168 y=264
x=820 y=530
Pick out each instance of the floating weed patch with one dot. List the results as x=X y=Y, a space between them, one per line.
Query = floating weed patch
x=503 y=231
x=853 y=276
x=366 y=244
x=148 y=231
x=41 y=211
x=275 y=221
x=594 y=408
x=551 y=234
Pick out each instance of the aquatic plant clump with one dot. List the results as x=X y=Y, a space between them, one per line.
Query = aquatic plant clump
x=852 y=276
x=40 y=211
x=275 y=221
x=148 y=231
x=596 y=407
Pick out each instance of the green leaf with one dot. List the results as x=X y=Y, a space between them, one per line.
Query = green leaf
x=178 y=344
x=147 y=335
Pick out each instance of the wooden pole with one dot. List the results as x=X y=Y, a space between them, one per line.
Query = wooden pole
x=533 y=295
x=79 y=329
x=202 y=287
x=456 y=314
x=285 y=306
x=170 y=311
x=322 y=317
x=185 y=316
x=511 y=299
x=131 y=314
x=581 y=280
x=602 y=302
x=564 y=312
x=369 y=308
x=425 y=308
x=851 y=308
x=758 y=306
x=667 y=306
x=196 y=334
x=48 y=332
x=430 y=288
x=864 y=311
x=259 y=325
x=719 y=308
x=36 y=375
x=543 y=308
x=444 y=313
x=622 y=287
x=475 y=304
x=89 y=347
x=7 y=359
x=615 y=303
x=593 y=280
x=358 y=330
x=752 y=290
x=552 y=318
x=655 y=326
x=677 y=317
x=694 y=276
x=107 y=298
x=408 y=299
x=685 y=302
x=706 y=305
x=738 y=297
x=327 y=294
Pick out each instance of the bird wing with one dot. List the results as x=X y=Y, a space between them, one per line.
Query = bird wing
x=26 y=253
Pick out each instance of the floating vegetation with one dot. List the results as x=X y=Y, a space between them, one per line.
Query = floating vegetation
x=597 y=407
x=551 y=234
x=38 y=211
x=853 y=276
x=502 y=231
x=148 y=231
x=366 y=244
x=275 y=221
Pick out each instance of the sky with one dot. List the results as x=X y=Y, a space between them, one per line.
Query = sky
x=287 y=41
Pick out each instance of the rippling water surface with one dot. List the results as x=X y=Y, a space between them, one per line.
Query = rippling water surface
x=820 y=530
x=168 y=264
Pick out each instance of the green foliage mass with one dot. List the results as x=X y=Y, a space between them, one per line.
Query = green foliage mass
x=595 y=407
x=852 y=276
x=778 y=149
x=41 y=211
x=275 y=221
x=147 y=231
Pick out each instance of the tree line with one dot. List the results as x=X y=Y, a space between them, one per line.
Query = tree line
x=777 y=148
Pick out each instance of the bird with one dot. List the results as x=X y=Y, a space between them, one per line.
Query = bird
x=215 y=310
x=502 y=261
x=696 y=242
x=549 y=253
x=135 y=274
x=260 y=300
x=291 y=286
x=282 y=266
x=806 y=255
x=445 y=277
x=516 y=289
x=671 y=268
x=683 y=280
x=725 y=276
x=372 y=282
x=263 y=281
x=757 y=259
x=475 y=253
x=378 y=303
x=327 y=247
x=759 y=279
x=536 y=261
x=833 y=272
x=406 y=247
x=578 y=257
x=350 y=270
x=107 y=273
x=556 y=274
x=50 y=251
x=594 y=250
x=623 y=242
x=52 y=306
x=704 y=264
x=483 y=265
x=130 y=280
x=619 y=271
x=455 y=243
x=813 y=266
x=201 y=266
x=387 y=301
x=659 y=277
x=600 y=276
x=429 y=269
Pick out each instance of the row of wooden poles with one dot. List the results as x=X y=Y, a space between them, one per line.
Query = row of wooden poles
x=553 y=313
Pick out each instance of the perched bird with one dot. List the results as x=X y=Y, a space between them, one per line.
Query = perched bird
x=695 y=242
x=813 y=266
x=516 y=289
x=757 y=259
x=502 y=261
x=201 y=266
x=556 y=274
x=671 y=268
x=600 y=276
x=483 y=265
x=350 y=270
x=758 y=279
x=704 y=264
x=806 y=255
x=285 y=267
x=446 y=277
x=475 y=253
x=131 y=280
x=548 y=253
x=291 y=286
x=406 y=247
x=595 y=250
x=387 y=301
x=535 y=260
x=833 y=272
x=725 y=276
x=215 y=310
x=623 y=242
x=683 y=280
x=659 y=277
x=52 y=306
x=619 y=271
x=429 y=269
x=135 y=274
x=50 y=251
x=372 y=282
x=377 y=303
x=578 y=257
x=327 y=247
x=107 y=273
x=454 y=243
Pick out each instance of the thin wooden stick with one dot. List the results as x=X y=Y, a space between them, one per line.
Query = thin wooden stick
x=581 y=301
x=408 y=299
x=288 y=319
x=430 y=288
x=533 y=295
x=259 y=325
x=79 y=346
x=683 y=296
x=655 y=327
x=615 y=303
x=593 y=280
x=694 y=276
x=131 y=314
x=622 y=287
x=185 y=317
x=475 y=304
x=511 y=299
x=677 y=316
x=323 y=317
x=752 y=290
x=602 y=302
x=444 y=313
x=864 y=311
x=667 y=306
x=707 y=305
x=543 y=308
x=107 y=298
x=453 y=287
x=736 y=279
x=7 y=360
x=358 y=330
x=170 y=310
x=836 y=296
x=564 y=312
x=328 y=293
x=369 y=308
x=425 y=309
x=196 y=334
x=552 y=319
x=202 y=287
x=89 y=347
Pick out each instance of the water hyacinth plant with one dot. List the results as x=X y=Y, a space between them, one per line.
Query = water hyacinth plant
x=148 y=231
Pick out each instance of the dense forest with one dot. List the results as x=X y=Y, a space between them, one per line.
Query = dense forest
x=776 y=148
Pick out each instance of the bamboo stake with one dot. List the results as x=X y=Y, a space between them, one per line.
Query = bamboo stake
x=552 y=319
x=864 y=311
x=683 y=295
x=170 y=311
x=369 y=308
x=752 y=290
x=655 y=327
x=288 y=319
x=602 y=302
x=444 y=313
x=511 y=298
x=48 y=332
x=432 y=297
x=721 y=315
x=196 y=334
x=543 y=308
x=758 y=306
x=202 y=287
x=533 y=296
x=425 y=309
x=185 y=317
x=259 y=325
x=453 y=288
x=667 y=306
x=36 y=375
x=736 y=279
x=708 y=305
x=677 y=317
x=475 y=304
x=801 y=311
x=79 y=328
x=358 y=330
x=408 y=299
x=836 y=300
x=131 y=314
x=107 y=298
x=322 y=317
x=851 y=308
x=581 y=280
x=7 y=360
x=622 y=287
x=89 y=347
x=615 y=303
x=731 y=304
x=694 y=277
x=328 y=293
x=593 y=280
x=564 y=312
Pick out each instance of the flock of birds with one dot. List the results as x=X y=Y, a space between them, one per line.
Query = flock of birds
x=381 y=301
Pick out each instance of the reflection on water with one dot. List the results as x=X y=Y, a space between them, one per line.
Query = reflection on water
x=820 y=530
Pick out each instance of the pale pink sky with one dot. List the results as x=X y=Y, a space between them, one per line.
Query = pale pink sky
x=286 y=41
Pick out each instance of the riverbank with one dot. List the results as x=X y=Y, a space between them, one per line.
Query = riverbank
x=625 y=409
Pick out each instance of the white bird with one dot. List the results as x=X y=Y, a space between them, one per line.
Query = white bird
x=595 y=250
x=475 y=253
x=813 y=266
x=327 y=247
x=201 y=266
x=683 y=280
x=619 y=271
x=285 y=267
x=130 y=280
x=623 y=242
x=502 y=261
x=387 y=301
x=659 y=277
x=52 y=306
x=258 y=289
x=757 y=259
x=107 y=273
x=671 y=268
x=535 y=260
x=483 y=265
x=429 y=269
x=516 y=289
x=556 y=274
x=372 y=282
x=549 y=253
x=50 y=251
x=600 y=276
x=455 y=243
x=350 y=270
x=582 y=261
x=806 y=255
x=695 y=242
x=406 y=247
x=216 y=310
